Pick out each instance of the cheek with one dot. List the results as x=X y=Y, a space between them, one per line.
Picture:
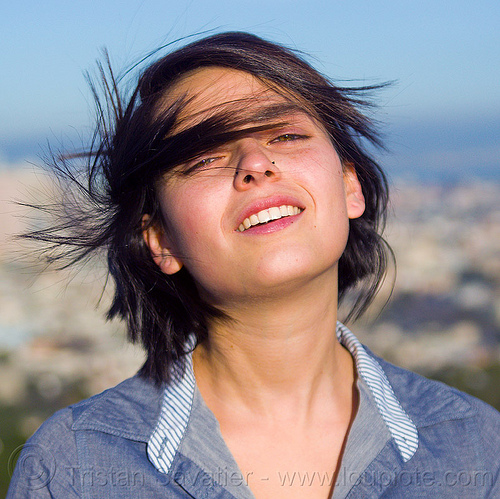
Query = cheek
x=191 y=217
x=323 y=177
x=321 y=162
x=328 y=192
x=184 y=225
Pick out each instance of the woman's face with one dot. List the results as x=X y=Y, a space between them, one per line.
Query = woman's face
x=259 y=215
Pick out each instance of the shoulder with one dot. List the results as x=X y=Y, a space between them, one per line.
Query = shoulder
x=445 y=417
x=129 y=410
x=428 y=401
x=44 y=458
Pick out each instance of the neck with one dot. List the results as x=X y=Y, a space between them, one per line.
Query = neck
x=276 y=352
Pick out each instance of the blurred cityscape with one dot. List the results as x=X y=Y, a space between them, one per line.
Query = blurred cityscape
x=445 y=309
x=443 y=319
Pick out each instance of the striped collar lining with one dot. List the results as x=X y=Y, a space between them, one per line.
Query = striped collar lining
x=401 y=427
x=174 y=416
x=178 y=400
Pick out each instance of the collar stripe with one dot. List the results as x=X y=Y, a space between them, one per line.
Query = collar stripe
x=401 y=427
x=174 y=417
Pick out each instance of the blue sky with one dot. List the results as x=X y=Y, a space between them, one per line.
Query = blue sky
x=442 y=115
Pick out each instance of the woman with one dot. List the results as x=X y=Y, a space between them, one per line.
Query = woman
x=238 y=206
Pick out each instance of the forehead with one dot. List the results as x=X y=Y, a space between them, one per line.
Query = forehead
x=209 y=90
x=216 y=85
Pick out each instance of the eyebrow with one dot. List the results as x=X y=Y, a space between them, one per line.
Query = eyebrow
x=242 y=113
x=277 y=111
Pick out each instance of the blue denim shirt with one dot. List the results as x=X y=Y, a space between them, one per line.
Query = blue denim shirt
x=98 y=449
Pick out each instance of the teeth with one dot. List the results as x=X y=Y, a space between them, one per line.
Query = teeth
x=274 y=213
x=264 y=216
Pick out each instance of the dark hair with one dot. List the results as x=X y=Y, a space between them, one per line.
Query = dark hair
x=135 y=144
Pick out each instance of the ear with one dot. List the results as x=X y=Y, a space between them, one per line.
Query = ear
x=355 y=200
x=159 y=247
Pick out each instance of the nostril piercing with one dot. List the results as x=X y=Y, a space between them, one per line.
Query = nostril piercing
x=273 y=162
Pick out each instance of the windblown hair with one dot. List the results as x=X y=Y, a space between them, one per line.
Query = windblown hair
x=135 y=144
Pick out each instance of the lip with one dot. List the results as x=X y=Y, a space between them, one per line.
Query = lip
x=264 y=204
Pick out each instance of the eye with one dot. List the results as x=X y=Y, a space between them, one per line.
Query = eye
x=200 y=164
x=289 y=137
x=203 y=162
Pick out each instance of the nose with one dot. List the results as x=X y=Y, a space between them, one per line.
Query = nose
x=254 y=166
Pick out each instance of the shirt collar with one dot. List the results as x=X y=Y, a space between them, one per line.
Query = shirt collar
x=400 y=425
x=179 y=393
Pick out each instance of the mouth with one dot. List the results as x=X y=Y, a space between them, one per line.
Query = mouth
x=268 y=215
